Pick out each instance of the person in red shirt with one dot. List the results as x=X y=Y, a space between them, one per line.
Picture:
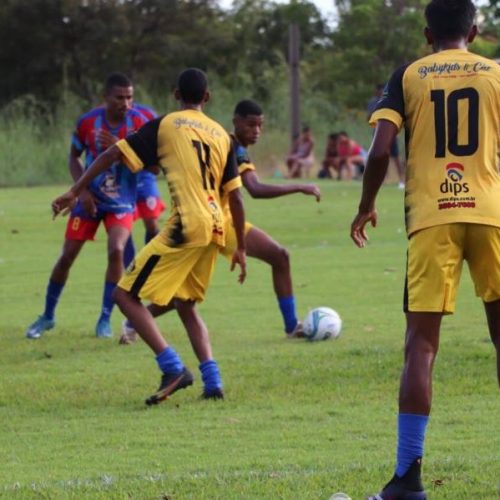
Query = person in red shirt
x=351 y=157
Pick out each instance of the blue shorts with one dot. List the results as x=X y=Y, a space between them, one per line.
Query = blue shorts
x=147 y=186
x=149 y=202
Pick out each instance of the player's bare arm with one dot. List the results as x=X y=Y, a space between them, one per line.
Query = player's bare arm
x=375 y=172
x=76 y=170
x=238 y=214
x=257 y=189
x=65 y=202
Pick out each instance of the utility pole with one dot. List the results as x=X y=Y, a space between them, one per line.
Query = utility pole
x=294 y=78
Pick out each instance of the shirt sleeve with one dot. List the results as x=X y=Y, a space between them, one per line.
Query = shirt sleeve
x=391 y=105
x=231 y=179
x=78 y=139
x=140 y=149
x=243 y=159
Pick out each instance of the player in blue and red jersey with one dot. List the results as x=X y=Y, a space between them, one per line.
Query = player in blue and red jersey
x=149 y=204
x=110 y=198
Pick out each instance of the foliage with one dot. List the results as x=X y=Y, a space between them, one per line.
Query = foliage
x=55 y=54
x=495 y=7
x=490 y=31
x=373 y=38
x=68 y=46
x=35 y=142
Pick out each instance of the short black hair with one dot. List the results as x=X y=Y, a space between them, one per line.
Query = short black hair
x=192 y=85
x=247 y=107
x=306 y=128
x=450 y=19
x=333 y=136
x=117 y=80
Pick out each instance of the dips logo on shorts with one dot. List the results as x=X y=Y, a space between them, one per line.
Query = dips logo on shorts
x=453 y=183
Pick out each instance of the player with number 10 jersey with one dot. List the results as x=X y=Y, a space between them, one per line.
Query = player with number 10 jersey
x=452 y=168
x=449 y=103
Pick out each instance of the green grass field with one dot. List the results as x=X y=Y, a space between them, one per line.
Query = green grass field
x=300 y=420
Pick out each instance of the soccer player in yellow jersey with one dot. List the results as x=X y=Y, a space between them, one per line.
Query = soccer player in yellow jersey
x=449 y=105
x=198 y=160
x=248 y=120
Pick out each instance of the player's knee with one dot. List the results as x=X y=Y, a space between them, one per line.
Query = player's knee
x=115 y=254
x=281 y=257
x=420 y=345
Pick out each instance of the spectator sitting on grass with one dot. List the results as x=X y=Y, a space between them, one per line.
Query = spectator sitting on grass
x=302 y=155
x=331 y=157
x=351 y=158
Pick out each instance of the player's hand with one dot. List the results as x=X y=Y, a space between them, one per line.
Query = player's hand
x=105 y=138
x=312 y=190
x=63 y=204
x=358 y=232
x=88 y=203
x=240 y=258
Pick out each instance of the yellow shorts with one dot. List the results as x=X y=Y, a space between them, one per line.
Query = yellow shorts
x=231 y=242
x=158 y=272
x=435 y=257
x=186 y=291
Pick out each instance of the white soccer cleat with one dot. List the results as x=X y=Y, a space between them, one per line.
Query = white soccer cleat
x=297 y=333
x=129 y=335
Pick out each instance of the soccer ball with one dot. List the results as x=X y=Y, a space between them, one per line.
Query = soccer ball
x=322 y=323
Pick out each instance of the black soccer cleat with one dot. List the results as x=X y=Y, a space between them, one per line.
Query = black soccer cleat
x=407 y=487
x=170 y=384
x=213 y=394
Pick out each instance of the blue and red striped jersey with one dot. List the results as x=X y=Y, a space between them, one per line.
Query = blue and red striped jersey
x=115 y=189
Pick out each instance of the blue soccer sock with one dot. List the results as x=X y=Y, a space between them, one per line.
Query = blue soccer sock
x=210 y=375
x=169 y=361
x=128 y=252
x=52 y=295
x=411 y=435
x=287 y=308
x=107 y=300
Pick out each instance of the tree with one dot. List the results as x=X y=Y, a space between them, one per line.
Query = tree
x=30 y=48
x=373 y=38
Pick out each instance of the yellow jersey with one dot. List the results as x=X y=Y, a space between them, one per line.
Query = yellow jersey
x=197 y=158
x=449 y=105
x=244 y=164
